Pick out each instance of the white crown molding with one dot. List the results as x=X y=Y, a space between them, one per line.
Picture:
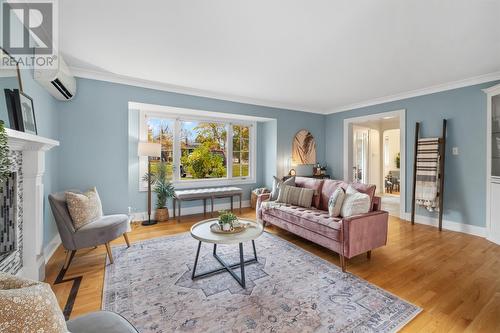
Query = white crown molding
x=420 y=92
x=131 y=81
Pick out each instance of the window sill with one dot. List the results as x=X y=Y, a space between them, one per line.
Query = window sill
x=191 y=184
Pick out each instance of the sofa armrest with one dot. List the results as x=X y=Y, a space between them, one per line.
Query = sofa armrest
x=377 y=203
x=365 y=232
x=260 y=199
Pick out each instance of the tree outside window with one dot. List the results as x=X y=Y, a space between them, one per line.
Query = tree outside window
x=241 y=150
x=162 y=131
x=203 y=150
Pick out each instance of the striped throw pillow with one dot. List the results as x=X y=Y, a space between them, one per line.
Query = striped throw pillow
x=297 y=196
x=335 y=202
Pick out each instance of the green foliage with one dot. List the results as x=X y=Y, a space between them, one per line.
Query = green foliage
x=4 y=154
x=226 y=217
x=213 y=135
x=398 y=160
x=203 y=163
x=161 y=185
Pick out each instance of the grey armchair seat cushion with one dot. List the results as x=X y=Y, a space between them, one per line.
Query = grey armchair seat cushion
x=100 y=322
x=101 y=231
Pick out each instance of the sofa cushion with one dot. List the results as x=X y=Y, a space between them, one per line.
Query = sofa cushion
x=355 y=203
x=277 y=183
x=296 y=196
x=314 y=184
x=335 y=202
x=330 y=185
x=309 y=218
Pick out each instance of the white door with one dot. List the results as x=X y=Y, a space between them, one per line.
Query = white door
x=494 y=235
x=360 y=155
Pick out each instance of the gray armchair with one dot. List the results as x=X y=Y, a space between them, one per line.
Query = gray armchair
x=100 y=322
x=99 y=232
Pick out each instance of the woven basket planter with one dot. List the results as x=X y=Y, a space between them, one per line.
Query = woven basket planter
x=162 y=214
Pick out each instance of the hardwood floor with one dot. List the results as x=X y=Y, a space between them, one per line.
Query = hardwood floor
x=454 y=277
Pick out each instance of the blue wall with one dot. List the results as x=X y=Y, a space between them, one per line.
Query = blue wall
x=465 y=174
x=98 y=142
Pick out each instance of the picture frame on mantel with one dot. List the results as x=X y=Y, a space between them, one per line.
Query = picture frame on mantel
x=25 y=112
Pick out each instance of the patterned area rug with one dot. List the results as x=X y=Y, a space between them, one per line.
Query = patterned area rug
x=288 y=290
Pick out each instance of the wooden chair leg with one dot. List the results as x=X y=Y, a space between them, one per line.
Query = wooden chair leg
x=369 y=254
x=69 y=258
x=125 y=235
x=110 y=255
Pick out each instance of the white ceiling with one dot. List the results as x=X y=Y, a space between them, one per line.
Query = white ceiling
x=318 y=56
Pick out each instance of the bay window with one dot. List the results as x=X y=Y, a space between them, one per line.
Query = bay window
x=200 y=151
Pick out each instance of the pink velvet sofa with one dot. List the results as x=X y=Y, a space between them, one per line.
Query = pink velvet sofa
x=348 y=237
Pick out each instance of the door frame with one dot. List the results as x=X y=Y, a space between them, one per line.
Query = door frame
x=490 y=92
x=401 y=113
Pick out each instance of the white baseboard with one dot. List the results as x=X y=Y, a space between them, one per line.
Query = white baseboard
x=141 y=216
x=51 y=247
x=449 y=225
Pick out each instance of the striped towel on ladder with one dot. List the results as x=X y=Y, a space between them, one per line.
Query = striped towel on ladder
x=427 y=186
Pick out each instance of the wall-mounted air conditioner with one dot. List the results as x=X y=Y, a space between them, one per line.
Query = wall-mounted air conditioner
x=60 y=83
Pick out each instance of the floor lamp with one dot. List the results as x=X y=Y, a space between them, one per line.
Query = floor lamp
x=149 y=150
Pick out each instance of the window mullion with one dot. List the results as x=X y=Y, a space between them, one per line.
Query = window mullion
x=176 y=151
x=229 y=159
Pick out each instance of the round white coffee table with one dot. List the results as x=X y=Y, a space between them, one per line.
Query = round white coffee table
x=201 y=232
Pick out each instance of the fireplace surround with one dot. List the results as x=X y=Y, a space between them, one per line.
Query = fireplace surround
x=22 y=206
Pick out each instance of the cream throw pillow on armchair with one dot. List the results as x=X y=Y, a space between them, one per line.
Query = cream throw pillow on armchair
x=355 y=203
x=28 y=306
x=83 y=207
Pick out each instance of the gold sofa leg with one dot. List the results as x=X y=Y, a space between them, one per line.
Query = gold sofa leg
x=343 y=263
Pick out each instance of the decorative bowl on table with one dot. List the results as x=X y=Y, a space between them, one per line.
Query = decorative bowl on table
x=216 y=228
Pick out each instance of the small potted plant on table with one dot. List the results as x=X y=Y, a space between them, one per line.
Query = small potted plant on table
x=227 y=220
x=163 y=189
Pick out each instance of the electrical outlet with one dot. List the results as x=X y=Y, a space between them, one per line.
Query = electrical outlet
x=454 y=150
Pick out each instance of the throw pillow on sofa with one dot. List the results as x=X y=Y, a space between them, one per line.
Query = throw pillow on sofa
x=83 y=207
x=335 y=202
x=355 y=203
x=298 y=196
x=278 y=183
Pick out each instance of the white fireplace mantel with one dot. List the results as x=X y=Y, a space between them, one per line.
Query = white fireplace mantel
x=25 y=141
x=33 y=148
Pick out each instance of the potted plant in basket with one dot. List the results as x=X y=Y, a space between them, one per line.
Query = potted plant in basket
x=163 y=189
x=227 y=220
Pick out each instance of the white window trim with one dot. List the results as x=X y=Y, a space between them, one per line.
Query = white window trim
x=187 y=114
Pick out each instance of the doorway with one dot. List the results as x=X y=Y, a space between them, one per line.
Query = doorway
x=374 y=150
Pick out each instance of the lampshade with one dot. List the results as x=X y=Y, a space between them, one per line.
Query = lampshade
x=149 y=149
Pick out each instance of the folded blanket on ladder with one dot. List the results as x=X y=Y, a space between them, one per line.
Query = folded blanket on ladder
x=427 y=187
